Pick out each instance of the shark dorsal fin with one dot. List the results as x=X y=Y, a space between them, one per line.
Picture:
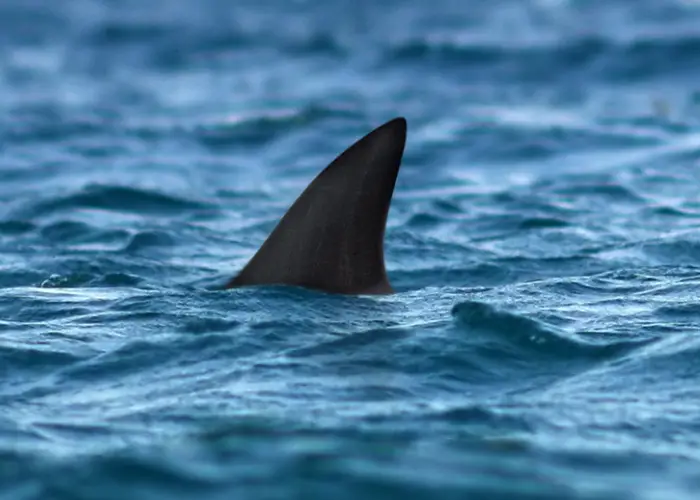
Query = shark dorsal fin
x=332 y=237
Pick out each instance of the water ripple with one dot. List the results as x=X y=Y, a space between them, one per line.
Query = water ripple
x=542 y=240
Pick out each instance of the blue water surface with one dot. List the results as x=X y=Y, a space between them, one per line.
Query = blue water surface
x=544 y=239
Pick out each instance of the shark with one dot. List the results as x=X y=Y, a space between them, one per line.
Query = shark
x=331 y=239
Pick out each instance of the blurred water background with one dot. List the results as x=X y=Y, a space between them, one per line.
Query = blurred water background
x=544 y=239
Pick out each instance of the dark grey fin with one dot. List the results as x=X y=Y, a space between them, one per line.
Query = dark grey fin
x=332 y=237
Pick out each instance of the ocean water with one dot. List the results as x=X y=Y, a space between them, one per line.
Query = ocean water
x=544 y=239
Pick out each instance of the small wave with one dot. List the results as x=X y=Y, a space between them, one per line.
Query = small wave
x=542 y=223
x=22 y=359
x=482 y=55
x=172 y=47
x=530 y=337
x=121 y=279
x=115 y=33
x=638 y=58
x=209 y=325
x=119 y=199
x=76 y=232
x=148 y=240
x=250 y=129
x=352 y=342
x=33 y=310
x=484 y=418
x=12 y=277
x=16 y=227
x=264 y=126
x=75 y=268
x=674 y=211
x=51 y=123
x=679 y=250
x=133 y=357
x=66 y=231
x=680 y=312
